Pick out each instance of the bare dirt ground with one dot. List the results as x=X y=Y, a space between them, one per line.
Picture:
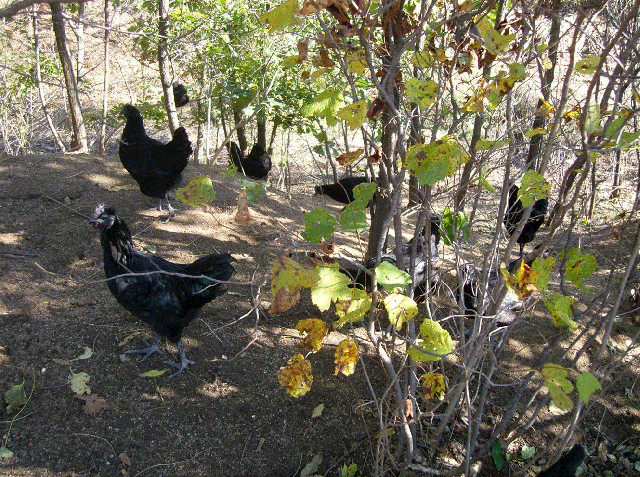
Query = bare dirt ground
x=226 y=415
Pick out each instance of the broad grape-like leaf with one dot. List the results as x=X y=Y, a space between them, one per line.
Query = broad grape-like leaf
x=421 y=92
x=504 y=84
x=527 y=452
x=435 y=339
x=230 y=171
x=291 y=61
x=353 y=219
x=433 y=386
x=288 y=274
x=391 y=277
x=325 y=105
x=447 y=226
x=534 y=132
x=592 y=120
x=346 y=357
x=588 y=64
x=401 y=308
x=542 y=269
x=356 y=62
x=347 y=158
x=296 y=376
x=331 y=286
x=485 y=144
x=421 y=59
x=354 y=114
x=352 y=309
x=93 y=404
x=281 y=16
x=323 y=60
x=587 y=384
x=523 y=282
x=362 y=194
x=560 y=308
x=198 y=191
x=284 y=300
x=318 y=224
x=496 y=454
x=421 y=157
x=533 y=187
x=315 y=329
x=579 y=266
x=79 y=382
x=15 y=397
x=496 y=42
x=555 y=379
x=5 y=453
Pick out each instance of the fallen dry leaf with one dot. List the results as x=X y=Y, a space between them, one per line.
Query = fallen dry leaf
x=125 y=458
x=93 y=404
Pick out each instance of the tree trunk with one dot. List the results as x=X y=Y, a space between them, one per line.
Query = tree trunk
x=163 y=65
x=105 y=80
x=242 y=137
x=79 y=32
x=615 y=192
x=262 y=133
x=36 y=44
x=78 y=133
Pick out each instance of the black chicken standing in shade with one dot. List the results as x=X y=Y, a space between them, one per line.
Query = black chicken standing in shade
x=341 y=191
x=156 y=167
x=165 y=301
x=514 y=213
x=567 y=465
x=256 y=165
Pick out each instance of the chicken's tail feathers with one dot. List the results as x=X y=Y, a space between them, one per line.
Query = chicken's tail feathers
x=236 y=154
x=215 y=267
x=180 y=144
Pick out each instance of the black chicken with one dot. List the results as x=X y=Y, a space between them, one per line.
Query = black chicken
x=256 y=165
x=341 y=191
x=156 y=167
x=567 y=465
x=180 y=96
x=165 y=302
x=513 y=216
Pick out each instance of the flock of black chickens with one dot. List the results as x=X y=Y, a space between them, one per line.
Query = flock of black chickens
x=168 y=296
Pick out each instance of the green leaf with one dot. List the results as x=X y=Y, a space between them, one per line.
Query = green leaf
x=198 y=191
x=330 y=287
x=362 y=194
x=421 y=92
x=587 y=384
x=356 y=63
x=318 y=224
x=447 y=226
x=435 y=339
x=533 y=187
x=15 y=397
x=79 y=383
x=496 y=453
x=534 y=132
x=543 y=268
x=231 y=170
x=256 y=189
x=421 y=59
x=5 y=453
x=560 y=308
x=579 y=266
x=281 y=16
x=352 y=309
x=496 y=42
x=447 y=151
x=325 y=105
x=354 y=114
x=485 y=145
x=390 y=277
x=592 y=120
x=88 y=352
x=558 y=385
x=401 y=308
x=588 y=64
x=311 y=468
x=560 y=398
x=317 y=411
x=154 y=373
x=527 y=452
x=353 y=219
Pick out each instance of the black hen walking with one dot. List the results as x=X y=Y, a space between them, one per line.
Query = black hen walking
x=567 y=465
x=256 y=165
x=165 y=301
x=341 y=191
x=514 y=213
x=156 y=167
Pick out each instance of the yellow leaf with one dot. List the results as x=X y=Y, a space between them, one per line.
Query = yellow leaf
x=356 y=62
x=535 y=132
x=118 y=188
x=433 y=386
x=296 y=376
x=316 y=330
x=79 y=383
x=422 y=59
x=154 y=373
x=401 y=308
x=346 y=357
x=347 y=158
x=354 y=114
x=352 y=309
x=497 y=43
x=281 y=16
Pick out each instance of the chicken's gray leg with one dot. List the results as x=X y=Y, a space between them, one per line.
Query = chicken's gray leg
x=184 y=362
x=149 y=350
x=169 y=208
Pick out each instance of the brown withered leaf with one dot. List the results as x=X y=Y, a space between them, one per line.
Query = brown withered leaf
x=313 y=6
x=376 y=107
x=93 y=403
x=339 y=13
x=323 y=60
x=124 y=458
x=408 y=411
x=284 y=300
x=347 y=158
x=391 y=13
x=243 y=217
x=303 y=50
x=375 y=157
x=329 y=247
x=616 y=234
